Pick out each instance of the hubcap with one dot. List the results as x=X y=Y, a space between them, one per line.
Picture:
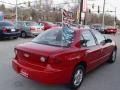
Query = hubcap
x=78 y=77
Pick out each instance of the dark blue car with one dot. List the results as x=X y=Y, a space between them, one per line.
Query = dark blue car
x=7 y=30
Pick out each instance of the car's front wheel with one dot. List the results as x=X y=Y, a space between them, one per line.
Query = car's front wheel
x=77 y=77
x=112 y=58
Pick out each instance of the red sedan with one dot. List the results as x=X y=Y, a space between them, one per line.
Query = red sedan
x=54 y=58
x=110 y=30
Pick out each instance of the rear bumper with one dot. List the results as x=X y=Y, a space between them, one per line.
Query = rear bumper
x=7 y=35
x=36 y=32
x=45 y=75
x=33 y=33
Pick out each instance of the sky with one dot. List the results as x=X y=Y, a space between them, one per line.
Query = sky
x=110 y=4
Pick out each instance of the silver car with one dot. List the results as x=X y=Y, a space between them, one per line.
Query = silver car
x=28 y=28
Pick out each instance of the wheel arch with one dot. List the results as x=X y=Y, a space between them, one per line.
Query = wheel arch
x=23 y=32
x=83 y=63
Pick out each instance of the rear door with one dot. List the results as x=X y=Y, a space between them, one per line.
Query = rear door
x=93 y=51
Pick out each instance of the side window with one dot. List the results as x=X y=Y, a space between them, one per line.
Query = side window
x=100 y=38
x=88 y=37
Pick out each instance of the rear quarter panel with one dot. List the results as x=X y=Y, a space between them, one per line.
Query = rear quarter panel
x=68 y=58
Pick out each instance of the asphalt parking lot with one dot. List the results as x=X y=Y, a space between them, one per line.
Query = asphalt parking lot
x=106 y=77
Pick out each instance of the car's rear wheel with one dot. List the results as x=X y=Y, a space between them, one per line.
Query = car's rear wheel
x=23 y=34
x=112 y=58
x=77 y=77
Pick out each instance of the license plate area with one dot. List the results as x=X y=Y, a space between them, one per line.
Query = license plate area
x=13 y=30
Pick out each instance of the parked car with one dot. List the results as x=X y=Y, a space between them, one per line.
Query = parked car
x=46 y=25
x=28 y=28
x=110 y=29
x=98 y=27
x=50 y=59
x=7 y=30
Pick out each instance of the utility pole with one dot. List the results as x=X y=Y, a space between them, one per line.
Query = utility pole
x=81 y=7
x=103 y=20
x=115 y=18
x=40 y=3
x=16 y=5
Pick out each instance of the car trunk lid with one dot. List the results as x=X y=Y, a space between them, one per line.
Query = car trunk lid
x=32 y=52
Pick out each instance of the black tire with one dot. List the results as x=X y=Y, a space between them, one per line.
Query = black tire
x=23 y=34
x=112 y=58
x=76 y=85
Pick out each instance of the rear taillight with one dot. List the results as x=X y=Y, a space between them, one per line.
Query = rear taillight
x=4 y=30
x=50 y=60
x=32 y=28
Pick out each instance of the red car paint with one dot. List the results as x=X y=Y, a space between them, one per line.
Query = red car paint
x=111 y=30
x=47 y=25
x=61 y=61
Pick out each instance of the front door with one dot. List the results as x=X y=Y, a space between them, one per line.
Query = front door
x=92 y=50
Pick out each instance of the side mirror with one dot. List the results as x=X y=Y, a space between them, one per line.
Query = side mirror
x=108 y=41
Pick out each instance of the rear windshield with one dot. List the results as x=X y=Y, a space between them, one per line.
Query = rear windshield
x=5 y=24
x=54 y=37
x=31 y=24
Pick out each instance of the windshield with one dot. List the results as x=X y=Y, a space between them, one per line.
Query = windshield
x=53 y=37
